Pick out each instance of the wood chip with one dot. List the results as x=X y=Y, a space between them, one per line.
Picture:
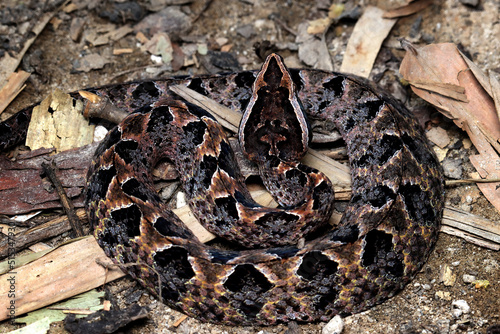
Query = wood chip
x=63 y=127
x=364 y=44
x=67 y=271
x=118 y=52
x=15 y=84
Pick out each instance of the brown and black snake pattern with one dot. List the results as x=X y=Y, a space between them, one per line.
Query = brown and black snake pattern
x=385 y=236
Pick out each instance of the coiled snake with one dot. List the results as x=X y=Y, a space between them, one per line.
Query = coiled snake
x=385 y=235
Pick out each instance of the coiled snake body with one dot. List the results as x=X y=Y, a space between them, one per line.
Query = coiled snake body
x=385 y=236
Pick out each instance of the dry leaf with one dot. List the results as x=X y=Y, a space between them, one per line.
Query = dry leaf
x=490 y=82
x=476 y=113
x=450 y=90
x=312 y=50
x=409 y=9
x=364 y=44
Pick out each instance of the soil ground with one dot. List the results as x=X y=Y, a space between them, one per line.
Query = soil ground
x=425 y=305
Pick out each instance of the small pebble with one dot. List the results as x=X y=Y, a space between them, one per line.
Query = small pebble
x=456 y=312
x=181 y=199
x=468 y=278
x=455 y=264
x=426 y=286
x=443 y=295
x=453 y=168
x=334 y=326
x=246 y=31
x=438 y=136
x=459 y=307
x=100 y=132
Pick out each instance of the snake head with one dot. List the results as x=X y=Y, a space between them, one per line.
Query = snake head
x=274 y=122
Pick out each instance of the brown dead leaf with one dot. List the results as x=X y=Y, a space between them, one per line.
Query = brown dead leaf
x=450 y=90
x=476 y=113
x=411 y=8
x=442 y=63
x=490 y=82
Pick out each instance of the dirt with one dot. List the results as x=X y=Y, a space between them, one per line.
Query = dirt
x=425 y=305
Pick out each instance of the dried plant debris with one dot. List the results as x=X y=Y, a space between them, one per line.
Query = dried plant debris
x=439 y=74
x=105 y=321
x=170 y=20
x=411 y=8
x=15 y=84
x=19 y=42
x=365 y=42
x=58 y=122
x=90 y=301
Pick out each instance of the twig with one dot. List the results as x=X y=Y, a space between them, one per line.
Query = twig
x=50 y=171
x=284 y=25
x=41 y=232
x=464 y=181
x=101 y=107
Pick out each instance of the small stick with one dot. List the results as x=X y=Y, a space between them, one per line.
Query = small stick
x=50 y=171
x=101 y=107
x=455 y=182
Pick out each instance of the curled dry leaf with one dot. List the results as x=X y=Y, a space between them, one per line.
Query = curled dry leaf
x=436 y=72
x=411 y=8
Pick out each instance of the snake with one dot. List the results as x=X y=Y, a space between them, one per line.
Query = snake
x=265 y=276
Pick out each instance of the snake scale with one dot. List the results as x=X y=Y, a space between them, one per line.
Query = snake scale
x=385 y=235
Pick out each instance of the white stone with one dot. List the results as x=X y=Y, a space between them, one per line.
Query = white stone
x=334 y=326
x=461 y=305
x=181 y=199
x=468 y=278
x=100 y=132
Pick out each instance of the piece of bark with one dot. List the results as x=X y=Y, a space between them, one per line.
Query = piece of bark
x=475 y=229
x=23 y=190
x=38 y=233
x=366 y=39
x=50 y=170
x=67 y=271
x=58 y=122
